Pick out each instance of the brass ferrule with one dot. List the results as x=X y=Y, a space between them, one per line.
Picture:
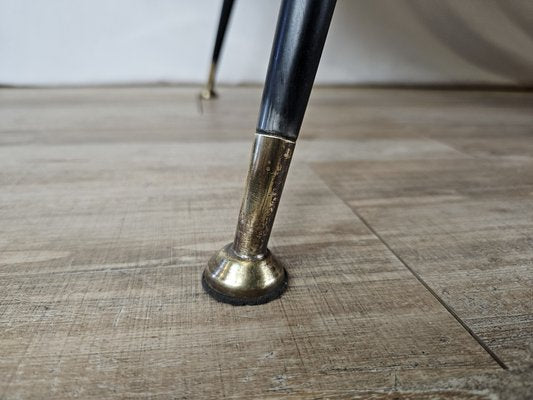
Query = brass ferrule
x=245 y=271
x=211 y=79
x=209 y=91
x=269 y=165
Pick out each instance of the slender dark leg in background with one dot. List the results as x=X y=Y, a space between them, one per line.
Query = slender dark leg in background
x=245 y=271
x=209 y=91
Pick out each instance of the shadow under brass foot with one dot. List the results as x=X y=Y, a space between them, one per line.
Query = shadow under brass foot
x=231 y=278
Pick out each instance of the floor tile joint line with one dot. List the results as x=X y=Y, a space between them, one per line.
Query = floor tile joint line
x=448 y=308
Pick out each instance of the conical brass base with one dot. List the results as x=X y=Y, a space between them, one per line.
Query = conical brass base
x=234 y=279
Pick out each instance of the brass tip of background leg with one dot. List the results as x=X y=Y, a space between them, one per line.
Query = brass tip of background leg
x=237 y=280
x=208 y=94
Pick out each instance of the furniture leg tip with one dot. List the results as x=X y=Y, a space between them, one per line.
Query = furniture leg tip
x=237 y=280
x=208 y=94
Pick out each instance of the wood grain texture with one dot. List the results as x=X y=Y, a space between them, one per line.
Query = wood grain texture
x=112 y=200
x=465 y=227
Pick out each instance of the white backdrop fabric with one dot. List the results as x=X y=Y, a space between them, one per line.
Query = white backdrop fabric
x=371 y=41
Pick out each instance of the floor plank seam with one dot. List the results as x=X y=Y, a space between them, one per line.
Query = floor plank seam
x=448 y=308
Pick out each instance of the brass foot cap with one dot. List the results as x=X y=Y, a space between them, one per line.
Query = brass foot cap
x=207 y=94
x=231 y=278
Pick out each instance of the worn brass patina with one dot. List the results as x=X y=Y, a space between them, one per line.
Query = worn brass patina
x=209 y=91
x=245 y=272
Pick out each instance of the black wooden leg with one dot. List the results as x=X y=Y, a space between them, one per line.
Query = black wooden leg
x=245 y=271
x=209 y=91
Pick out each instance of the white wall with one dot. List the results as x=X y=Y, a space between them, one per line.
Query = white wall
x=142 y=41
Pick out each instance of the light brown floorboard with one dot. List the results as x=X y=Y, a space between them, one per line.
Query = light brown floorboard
x=111 y=201
x=464 y=226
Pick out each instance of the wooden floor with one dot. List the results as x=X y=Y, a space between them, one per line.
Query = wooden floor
x=406 y=226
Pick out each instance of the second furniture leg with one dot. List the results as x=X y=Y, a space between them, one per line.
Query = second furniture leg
x=245 y=271
x=209 y=91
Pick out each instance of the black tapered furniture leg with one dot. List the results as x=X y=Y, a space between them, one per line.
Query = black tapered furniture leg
x=209 y=91
x=245 y=271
